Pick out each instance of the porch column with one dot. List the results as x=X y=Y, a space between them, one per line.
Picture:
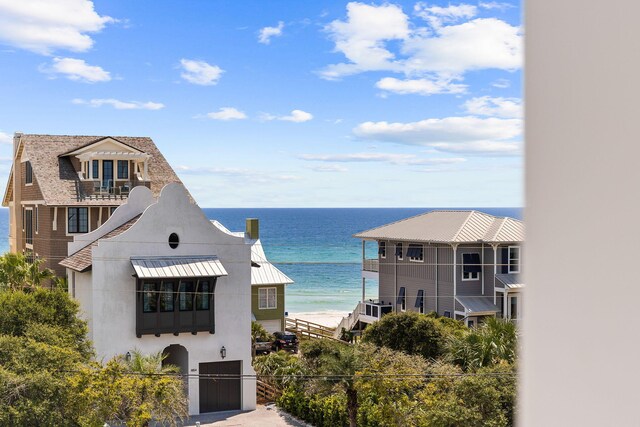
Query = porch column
x=146 y=170
x=455 y=276
x=495 y=269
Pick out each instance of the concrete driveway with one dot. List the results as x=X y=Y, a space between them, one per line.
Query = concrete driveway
x=263 y=416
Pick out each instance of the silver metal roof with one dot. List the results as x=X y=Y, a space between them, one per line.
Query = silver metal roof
x=178 y=267
x=477 y=304
x=510 y=281
x=450 y=227
x=263 y=272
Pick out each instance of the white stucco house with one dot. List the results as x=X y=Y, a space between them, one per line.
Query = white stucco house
x=159 y=276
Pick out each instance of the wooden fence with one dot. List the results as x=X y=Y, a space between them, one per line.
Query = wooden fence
x=265 y=392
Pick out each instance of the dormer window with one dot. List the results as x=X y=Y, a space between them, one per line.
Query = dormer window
x=28 y=173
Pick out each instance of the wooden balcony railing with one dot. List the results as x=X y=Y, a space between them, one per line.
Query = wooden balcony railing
x=370 y=265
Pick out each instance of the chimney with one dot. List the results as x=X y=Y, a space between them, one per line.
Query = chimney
x=16 y=142
x=253 y=228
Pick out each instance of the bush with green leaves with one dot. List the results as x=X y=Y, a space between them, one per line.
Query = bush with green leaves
x=413 y=333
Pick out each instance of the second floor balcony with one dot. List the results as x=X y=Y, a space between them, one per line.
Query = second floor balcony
x=106 y=190
x=371 y=265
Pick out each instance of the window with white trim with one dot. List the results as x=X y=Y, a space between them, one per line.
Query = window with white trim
x=471 y=266
x=415 y=253
x=399 y=251
x=28 y=218
x=267 y=298
x=382 y=249
x=514 y=259
x=123 y=169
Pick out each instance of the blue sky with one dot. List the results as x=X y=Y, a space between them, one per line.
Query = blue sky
x=282 y=104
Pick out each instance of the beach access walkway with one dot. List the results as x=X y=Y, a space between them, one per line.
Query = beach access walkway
x=310 y=330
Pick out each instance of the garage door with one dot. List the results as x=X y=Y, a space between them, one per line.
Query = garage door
x=220 y=393
x=271 y=325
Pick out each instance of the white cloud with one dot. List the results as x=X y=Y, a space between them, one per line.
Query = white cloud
x=419 y=86
x=329 y=168
x=227 y=113
x=460 y=135
x=200 y=73
x=5 y=138
x=297 y=116
x=437 y=15
x=497 y=107
x=478 y=44
x=501 y=83
x=496 y=5
x=451 y=42
x=77 y=69
x=393 y=158
x=361 y=38
x=249 y=175
x=120 y=105
x=266 y=33
x=46 y=26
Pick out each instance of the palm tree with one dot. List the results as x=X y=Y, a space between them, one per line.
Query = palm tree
x=336 y=366
x=488 y=344
x=19 y=273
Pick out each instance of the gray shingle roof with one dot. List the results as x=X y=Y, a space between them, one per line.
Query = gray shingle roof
x=57 y=177
x=81 y=261
x=450 y=226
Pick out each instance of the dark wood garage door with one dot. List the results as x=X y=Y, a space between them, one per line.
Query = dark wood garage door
x=220 y=393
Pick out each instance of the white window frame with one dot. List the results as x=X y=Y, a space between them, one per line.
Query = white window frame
x=412 y=259
x=128 y=170
x=401 y=244
x=28 y=245
x=509 y=259
x=275 y=298
x=472 y=276
x=385 y=250
x=28 y=184
x=509 y=298
x=66 y=220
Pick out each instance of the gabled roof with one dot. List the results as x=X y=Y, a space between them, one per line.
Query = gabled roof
x=57 y=178
x=81 y=261
x=262 y=271
x=98 y=141
x=450 y=226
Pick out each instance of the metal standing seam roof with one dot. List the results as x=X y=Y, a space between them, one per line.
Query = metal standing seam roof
x=177 y=267
x=262 y=271
x=477 y=304
x=449 y=226
x=510 y=281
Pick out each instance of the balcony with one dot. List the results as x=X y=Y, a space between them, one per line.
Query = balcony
x=370 y=265
x=97 y=190
x=374 y=309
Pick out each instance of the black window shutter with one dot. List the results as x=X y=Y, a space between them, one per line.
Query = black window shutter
x=400 y=295
x=419 y=298
x=505 y=260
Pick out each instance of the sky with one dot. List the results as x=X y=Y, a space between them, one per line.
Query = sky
x=284 y=103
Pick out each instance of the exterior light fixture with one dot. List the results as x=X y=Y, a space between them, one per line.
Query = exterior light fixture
x=223 y=352
x=128 y=357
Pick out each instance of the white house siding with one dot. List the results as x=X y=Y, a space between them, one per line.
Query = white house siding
x=113 y=301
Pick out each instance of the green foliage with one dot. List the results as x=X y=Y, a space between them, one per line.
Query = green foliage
x=279 y=369
x=485 y=399
x=128 y=392
x=320 y=411
x=488 y=344
x=413 y=333
x=18 y=273
x=259 y=333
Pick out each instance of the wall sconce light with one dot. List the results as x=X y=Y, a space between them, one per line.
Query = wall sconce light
x=223 y=352
x=128 y=357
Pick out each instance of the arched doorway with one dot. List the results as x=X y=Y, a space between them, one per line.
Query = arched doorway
x=178 y=356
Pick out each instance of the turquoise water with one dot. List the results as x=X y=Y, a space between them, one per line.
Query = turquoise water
x=314 y=247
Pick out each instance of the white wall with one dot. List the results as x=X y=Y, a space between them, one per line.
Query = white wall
x=113 y=301
x=582 y=136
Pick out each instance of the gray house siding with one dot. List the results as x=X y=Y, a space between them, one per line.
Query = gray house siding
x=445 y=280
x=467 y=287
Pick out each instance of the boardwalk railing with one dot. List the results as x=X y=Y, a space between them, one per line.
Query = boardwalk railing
x=349 y=321
x=370 y=265
x=265 y=392
x=306 y=329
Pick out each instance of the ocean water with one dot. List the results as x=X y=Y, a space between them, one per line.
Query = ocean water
x=314 y=247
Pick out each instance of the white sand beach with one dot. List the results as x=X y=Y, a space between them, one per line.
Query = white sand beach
x=330 y=318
